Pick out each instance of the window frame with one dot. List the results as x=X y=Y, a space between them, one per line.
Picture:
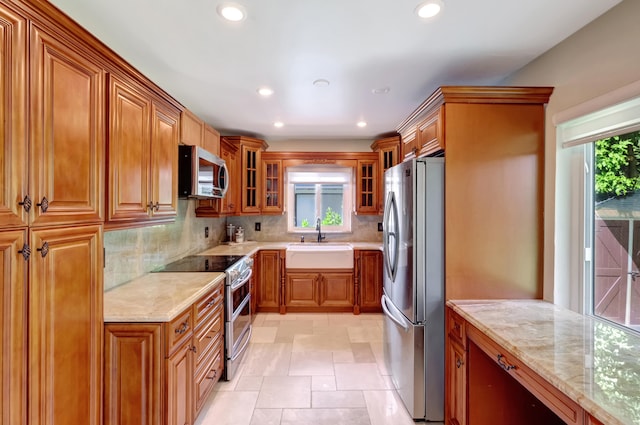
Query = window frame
x=347 y=197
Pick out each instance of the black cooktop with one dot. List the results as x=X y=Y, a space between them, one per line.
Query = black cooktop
x=201 y=263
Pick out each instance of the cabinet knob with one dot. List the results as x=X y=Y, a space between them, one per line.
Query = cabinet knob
x=182 y=329
x=26 y=203
x=44 y=204
x=193 y=348
x=25 y=251
x=459 y=363
x=44 y=250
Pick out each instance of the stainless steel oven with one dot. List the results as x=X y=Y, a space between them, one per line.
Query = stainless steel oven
x=237 y=308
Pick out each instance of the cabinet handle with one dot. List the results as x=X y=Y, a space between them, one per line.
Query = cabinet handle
x=25 y=251
x=193 y=348
x=211 y=302
x=44 y=204
x=507 y=367
x=459 y=363
x=44 y=250
x=156 y=207
x=456 y=326
x=26 y=203
x=215 y=374
x=182 y=329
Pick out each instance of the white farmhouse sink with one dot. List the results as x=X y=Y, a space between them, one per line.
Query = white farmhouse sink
x=323 y=255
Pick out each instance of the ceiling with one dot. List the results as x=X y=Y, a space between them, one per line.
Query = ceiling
x=214 y=67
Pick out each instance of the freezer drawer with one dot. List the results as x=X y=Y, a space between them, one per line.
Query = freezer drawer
x=405 y=359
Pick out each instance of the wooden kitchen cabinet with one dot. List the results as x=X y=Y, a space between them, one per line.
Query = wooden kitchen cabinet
x=13 y=327
x=67 y=132
x=250 y=171
x=367 y=186
x=388 y=150
x=65 y=325
x=13 y=119
x=368 y=280
x=273 y=189
x=162 y=373
x=492 y=139
x=269 y=281
x=409 y=143
x=143 y=156
x=195 y=132
x=319 y=290
x=455 y=370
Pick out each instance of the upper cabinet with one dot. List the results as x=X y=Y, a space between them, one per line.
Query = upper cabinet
x=195 y=132
x=13 y=119
x=142 y=154
x=367 y=190
x=250 y=172
x=66 y=159
x=492 y=139
x=273 y=190
x=388 y=150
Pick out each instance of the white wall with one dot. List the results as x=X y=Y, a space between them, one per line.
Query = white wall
x=601 y=58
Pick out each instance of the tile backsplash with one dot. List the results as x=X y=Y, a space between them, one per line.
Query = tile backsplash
x=132 y=253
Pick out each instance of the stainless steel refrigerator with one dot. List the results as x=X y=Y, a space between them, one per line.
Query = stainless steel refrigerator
x=413 y=297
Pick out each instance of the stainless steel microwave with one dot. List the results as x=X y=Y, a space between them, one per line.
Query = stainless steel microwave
x=201 y=174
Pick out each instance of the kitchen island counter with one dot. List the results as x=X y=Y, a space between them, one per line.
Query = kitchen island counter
x=593 y=362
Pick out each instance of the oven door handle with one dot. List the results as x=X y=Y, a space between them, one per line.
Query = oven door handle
x=244 y=280
x=244 y=346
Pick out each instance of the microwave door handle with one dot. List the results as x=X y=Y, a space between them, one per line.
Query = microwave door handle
x=223 y=168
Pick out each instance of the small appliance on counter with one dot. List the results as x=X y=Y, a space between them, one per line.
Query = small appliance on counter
x=231 y=231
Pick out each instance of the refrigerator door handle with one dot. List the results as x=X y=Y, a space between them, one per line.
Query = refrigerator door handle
x=398 y=320
x=390 y=258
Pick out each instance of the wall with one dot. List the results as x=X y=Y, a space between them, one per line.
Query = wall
x=599 y=59
x=320 y=145
x=133 y=252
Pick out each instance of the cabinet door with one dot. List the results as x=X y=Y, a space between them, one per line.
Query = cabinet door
x=129 y=153
x=164 y=161
x=272 y=192
x=133 y=364
x=430 y=134
x=65 y=326
x=367 y=187
x=67 y=133
x=409 y=142
x=301 y=289
x=13 y=119
x=456 y=385
x=180 y=386
x=269 y=281
x=230 y=201
x=191 y=129
x=370 y=280
x=211 y=140
x=13 y=320
x=250 y=184
x=336 y=290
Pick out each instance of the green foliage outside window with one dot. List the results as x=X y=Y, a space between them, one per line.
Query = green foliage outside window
x=617 y=165
x=331 y=218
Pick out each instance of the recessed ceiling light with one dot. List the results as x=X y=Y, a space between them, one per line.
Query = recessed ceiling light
x=381 y=90
x=429 y=9
x=361 y=124
x=265 y=91
x=278 y=124
x=232 y=12
x=321 y=82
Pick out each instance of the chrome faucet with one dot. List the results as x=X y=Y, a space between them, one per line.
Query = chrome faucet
x=320 y=237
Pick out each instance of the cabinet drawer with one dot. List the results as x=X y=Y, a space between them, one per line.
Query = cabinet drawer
x=208 y=335
x=178 y=330
x=207 y=376
x=207 y=304
x=456 y=328
x=566 y=409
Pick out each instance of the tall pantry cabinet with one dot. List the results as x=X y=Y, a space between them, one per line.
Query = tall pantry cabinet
x=51 y=214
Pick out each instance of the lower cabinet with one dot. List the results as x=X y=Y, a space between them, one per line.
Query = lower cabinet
x=368 y=280
x=269 y=281
x=312 y=290
x=161 y=373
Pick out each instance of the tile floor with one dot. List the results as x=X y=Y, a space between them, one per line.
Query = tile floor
x=309 y=369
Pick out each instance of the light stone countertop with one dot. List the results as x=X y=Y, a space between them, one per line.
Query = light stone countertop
x=251 y=247
x=157 y=297
x=160 y=297
x=593 y=362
